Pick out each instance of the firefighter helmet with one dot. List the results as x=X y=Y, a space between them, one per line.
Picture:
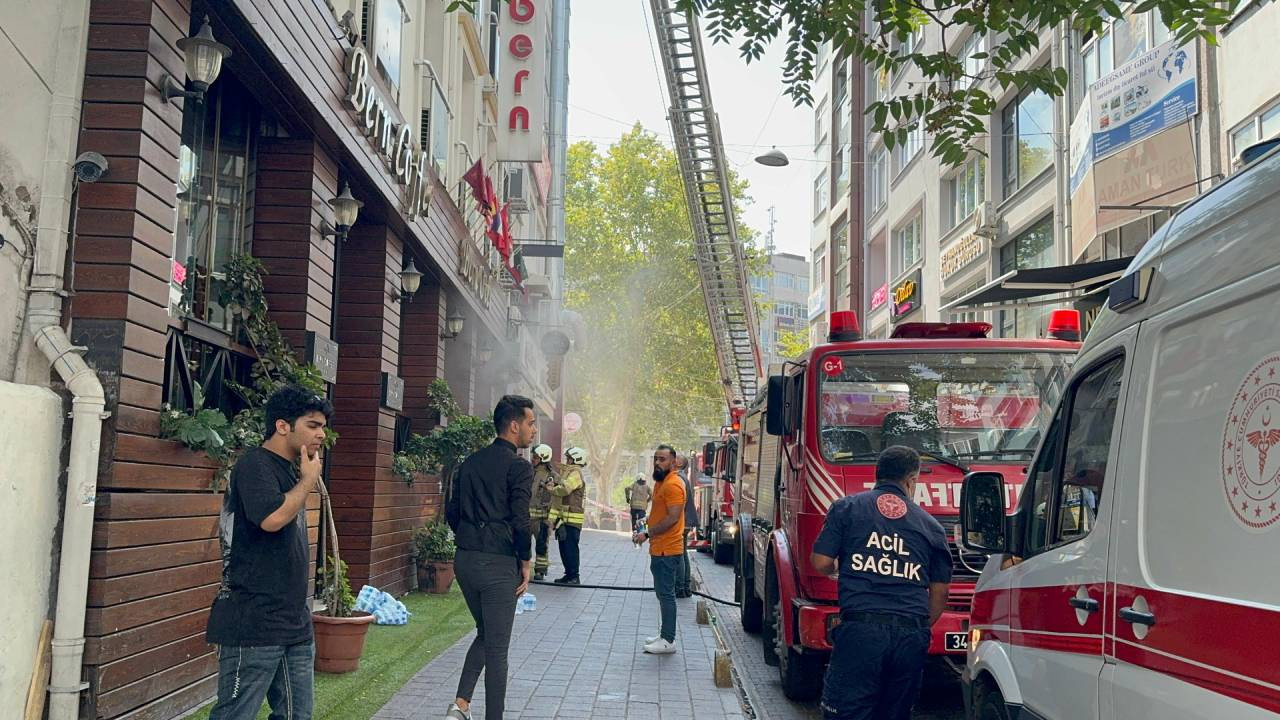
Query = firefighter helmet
x=543 y=452
x=576 y=456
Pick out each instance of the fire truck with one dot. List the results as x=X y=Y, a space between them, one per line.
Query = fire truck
x=720 y=464
x=964 y=400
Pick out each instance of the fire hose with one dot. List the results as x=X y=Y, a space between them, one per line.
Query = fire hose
x=548 y=583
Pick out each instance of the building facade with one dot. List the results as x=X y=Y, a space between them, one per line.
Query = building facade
x=390 y=101
x=783 y=303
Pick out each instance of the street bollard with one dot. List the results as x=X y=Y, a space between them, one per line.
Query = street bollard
x=704 y=613
x=723 y=672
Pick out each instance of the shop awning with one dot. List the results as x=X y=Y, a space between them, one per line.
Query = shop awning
x=1026 y=288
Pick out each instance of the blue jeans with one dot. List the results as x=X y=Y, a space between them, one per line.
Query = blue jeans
x=283 y=675
x=665 y=570
x=875 y=671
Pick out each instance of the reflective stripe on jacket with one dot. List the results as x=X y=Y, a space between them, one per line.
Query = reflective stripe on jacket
x=569 y=494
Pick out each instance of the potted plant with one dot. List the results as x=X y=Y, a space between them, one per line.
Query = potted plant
x=433 y=549
x=340 y=629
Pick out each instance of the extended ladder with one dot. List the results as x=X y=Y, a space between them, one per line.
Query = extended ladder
x=721 y=263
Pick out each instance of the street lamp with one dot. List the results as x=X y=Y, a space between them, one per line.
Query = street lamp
x=345 y=210
x=484 y=352
x=410 y=280
x=452 y=325
x=202 y=56
x=773 y=158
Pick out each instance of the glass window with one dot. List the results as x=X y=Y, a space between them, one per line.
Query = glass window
x=1034 y=248
x=988 y=405
x=1130 y=33
x=1269 y=123
x=879 y=178
x=905 y=152
x=820 y=125
x=388 y=28
x=840 y=250
x=1027 y=127
x=906 y=246
x=1038 y=493
x=965 y=190
x=215 y=192
x=820 y=193
x=977 y=43
x=1244 y=137
x=841 y=88
x=1160 y=33
x=1090 y=65
x=1088 y=446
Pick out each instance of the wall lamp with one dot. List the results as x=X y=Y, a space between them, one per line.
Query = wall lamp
x=202 y=56
x=410 y=280
x=345 y=210
x=452 y=326
x=485 y=351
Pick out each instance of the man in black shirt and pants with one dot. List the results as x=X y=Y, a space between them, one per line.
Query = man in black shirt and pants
x=260 y=620
x=488 y=510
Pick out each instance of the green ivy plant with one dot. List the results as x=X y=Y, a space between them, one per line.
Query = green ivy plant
x=335 y=589
x=207 y=430
x=447 y=444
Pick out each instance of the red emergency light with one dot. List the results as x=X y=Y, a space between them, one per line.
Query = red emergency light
x=1065 y=325
x=735 y=415
x=934 y=331
x=844 y=327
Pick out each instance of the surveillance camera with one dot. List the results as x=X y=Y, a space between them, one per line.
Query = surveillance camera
x=90 y=167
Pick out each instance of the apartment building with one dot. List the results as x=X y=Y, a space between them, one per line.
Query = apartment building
x=783 y=296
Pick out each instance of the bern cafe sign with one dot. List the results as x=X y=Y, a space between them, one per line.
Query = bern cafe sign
x=523 y=83
x=394 y=142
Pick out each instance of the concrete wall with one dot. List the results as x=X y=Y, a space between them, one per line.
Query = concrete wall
x=1248 y=44
x=30 y=449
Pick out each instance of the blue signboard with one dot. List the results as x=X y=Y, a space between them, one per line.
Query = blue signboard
x=1156 y=91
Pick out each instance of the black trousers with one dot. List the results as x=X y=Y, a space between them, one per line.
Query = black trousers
x=541 y=535
x=637 y=516
x=569 y=549
x=875 y=671
x=488 y=584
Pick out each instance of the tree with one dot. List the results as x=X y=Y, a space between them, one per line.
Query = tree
x=646 y=371
x=954 y=109
x=793 y=343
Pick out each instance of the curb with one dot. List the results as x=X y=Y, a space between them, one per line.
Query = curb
x=745 y=695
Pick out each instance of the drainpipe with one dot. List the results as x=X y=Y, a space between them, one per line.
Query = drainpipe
x=1062 y=57
x=43 y=321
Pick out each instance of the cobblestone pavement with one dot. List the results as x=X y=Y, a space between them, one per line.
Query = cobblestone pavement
x=578 y=655
x=939 y=700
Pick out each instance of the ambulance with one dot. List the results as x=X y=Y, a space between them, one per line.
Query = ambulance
x=1139 y=576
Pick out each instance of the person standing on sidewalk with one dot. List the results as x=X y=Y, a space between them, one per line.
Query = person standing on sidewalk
x=638 y=497
x=882 y=641
x=261 y=620
x=665 y=533
x=488 y=510
x=568 y=512
x=544 y=474
x=684 y=581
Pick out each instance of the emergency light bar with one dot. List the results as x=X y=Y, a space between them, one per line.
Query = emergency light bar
x=935 y=331
x=1065 y=325
x=844 y=327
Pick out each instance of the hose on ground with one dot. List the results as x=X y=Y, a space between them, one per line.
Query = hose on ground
x=549 y=583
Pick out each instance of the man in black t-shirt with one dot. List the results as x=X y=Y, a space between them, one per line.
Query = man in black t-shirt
x=893 y=568
x=260 y=618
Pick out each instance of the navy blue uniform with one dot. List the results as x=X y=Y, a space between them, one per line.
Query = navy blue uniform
x=888 y=550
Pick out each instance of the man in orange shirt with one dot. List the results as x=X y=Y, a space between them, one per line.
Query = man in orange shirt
x=666 y=544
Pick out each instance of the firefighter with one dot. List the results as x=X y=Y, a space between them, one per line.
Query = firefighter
x=544 y=474
x=892 y=564
x=569 y=494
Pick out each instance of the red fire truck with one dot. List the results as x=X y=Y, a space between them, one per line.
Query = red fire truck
x=964 y=400
x=720 y=464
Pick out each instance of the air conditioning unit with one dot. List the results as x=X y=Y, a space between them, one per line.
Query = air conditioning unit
x=986 y=220
x=539 y=285
x=517 y=190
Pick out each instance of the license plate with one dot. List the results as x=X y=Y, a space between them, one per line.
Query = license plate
x=956 y=642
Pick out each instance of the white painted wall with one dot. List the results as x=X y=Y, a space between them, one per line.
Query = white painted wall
x=30 y=450
x=1248 y=44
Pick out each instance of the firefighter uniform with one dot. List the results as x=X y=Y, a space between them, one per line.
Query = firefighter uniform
x=888 y=550
x=539 y=516
x=568 y=493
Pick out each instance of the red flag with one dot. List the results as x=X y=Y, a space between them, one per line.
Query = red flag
x=475 y=177
x=505 y=247
x=490 y=197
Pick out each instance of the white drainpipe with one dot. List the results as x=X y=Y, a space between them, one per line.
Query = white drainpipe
x=43 y=321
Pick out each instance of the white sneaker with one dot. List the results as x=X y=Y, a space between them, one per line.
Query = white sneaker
x=652 y=639
x=660 y=647
x=457 y=713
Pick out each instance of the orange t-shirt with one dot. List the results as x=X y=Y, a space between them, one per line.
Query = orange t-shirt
x=668 y=492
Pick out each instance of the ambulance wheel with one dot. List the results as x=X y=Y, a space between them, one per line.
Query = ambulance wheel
x=750 y=609
x=721 y=552
x=988 y=704
x=801 y=673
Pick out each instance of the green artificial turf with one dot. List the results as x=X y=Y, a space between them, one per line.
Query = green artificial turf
x=392 y=655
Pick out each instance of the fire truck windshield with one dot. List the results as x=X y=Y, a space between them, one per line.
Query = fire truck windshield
x=986 y=406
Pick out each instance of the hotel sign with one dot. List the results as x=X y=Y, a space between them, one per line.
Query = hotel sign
x=958 y=256
x=393 y=142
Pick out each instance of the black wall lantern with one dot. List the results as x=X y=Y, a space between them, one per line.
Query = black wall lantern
x=202 y=56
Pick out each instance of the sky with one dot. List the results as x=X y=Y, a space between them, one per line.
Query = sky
x=615 y=80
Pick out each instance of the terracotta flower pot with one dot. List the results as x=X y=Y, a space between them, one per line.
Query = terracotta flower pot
x=340 y=641
x=435 y=576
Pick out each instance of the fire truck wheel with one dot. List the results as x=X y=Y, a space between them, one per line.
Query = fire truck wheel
x=721 y=552
x=750 y=609
x=801 y=673
x=988 y=704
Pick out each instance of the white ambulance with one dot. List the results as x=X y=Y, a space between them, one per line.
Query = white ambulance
x=1139 y=576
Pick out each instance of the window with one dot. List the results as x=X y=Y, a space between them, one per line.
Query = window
x=878 y=181
x=215 y=199
x=878 y=81
x=843 y=154
x=841 y=83
x=760 y=283
x=906 y=151
x=1120 y=42
x=820 y=265
x=840 y=253
x=1263 y=126
x=1034 y=248
x=820 y=120
x=383 y=24
x=965 y=190
x=906 y=246
x=1070 y=473
x=820 y=189
x=1026 y=127
x=434 y=130
x=973 y=66
x=216 y=369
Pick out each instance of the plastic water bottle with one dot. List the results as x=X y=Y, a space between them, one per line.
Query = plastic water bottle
x=644 y=528
x=530 y=602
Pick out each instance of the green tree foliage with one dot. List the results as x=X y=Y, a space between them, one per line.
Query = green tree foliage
x=954 y=110
x=645 y=373
x=793 y=343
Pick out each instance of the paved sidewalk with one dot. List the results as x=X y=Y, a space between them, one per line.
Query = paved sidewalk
x=579 y=656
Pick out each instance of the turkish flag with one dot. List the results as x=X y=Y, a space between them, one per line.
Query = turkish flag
x=475 y=177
